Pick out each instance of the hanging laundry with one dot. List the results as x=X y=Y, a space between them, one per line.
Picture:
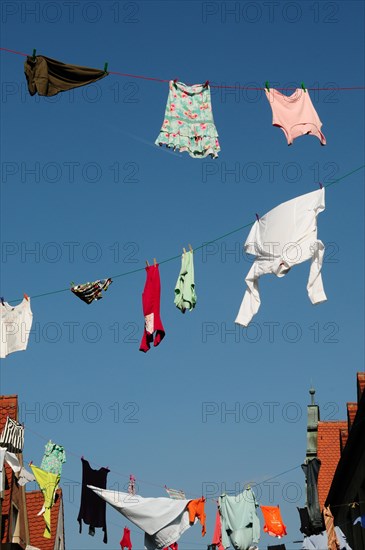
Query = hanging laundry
x=189 y=124
x=217 y=535
x=277 y=547
x=320 y=542
x=132 y=485
x=185 y=296
x=286 y=236
x=88 y=292
x=126 y=539
x=196 y=511
x=361 y=520
x=240 y=523
x=12 y=460
x=173 y=546
x=153 y=329
x=12 y=436
x=48 y=76
x=162 y=519
x=311 y=472
x=25 y=477
x=295 y=114
x=333 y=543
x=54 y=457
x=305 y=523
x=274 y=525
x=15 y=326
x=92 y=509
x=48 y=483
x=174 y=493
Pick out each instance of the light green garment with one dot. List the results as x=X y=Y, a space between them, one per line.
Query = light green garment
x=54 y=457
x=238 y=514
x=185 y=296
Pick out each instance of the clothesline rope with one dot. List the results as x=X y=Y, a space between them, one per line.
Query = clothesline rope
x=142 y=77
x=179 y=255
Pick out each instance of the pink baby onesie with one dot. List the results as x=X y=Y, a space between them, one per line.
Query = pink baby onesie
x=295 y=114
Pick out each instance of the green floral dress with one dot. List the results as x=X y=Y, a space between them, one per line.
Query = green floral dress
x=189 y=124
x=53 y=459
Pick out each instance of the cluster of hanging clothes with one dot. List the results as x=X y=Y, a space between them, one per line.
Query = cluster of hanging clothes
x=164 y=520
x=188 y=124
x=284 y=237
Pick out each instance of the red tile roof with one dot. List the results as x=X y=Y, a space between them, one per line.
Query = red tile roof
x=328 y=452
x=351 y=413
x=8 y=407
x=360 y=384
x=35 y=502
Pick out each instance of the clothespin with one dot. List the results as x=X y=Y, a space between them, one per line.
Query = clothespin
x=31 y=462
x=303 y=87
x=33 y=55
x=72 y=283
x=206 y=84
x=184 y=251
x=26 y=297
x=175 y=80
x=190 y=248
x=154 y=261
x=2 y=300
x=82 y=457
x=257 y=217
x=106 y=67
x=147 y=264
x=267 y=85
x=248 y=487
x=320 y=185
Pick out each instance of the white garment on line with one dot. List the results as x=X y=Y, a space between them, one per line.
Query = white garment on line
x=320 y=542
x=12 y=460
x=25 y=477
x=15 y=325
x=162 y=519
x=284 y=237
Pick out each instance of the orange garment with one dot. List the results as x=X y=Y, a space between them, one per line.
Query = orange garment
x=274 y=525
x=196 y=510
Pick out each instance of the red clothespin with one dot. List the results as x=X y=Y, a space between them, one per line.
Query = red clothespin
x=257 y=217
x=206 y=84
x=175 y=80
x=26 y=297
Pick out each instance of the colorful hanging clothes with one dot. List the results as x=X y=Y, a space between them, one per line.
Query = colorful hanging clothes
x=189 y=124
x=277 y=547
x=295 y=114
x=48 y=483
x=176 y=494
x=162 y=519
x=196 y=511
x=54 y=457
x=48 y=77
x=173 y=546
x=333 y=542
x=12 y=436
x=25 y=477
x=15 y=325
x=92 y=508
x=286 y=236
x=88 y=292
x=126 y=539
x=153 y=328
x=320 y=542
x=274 y=525
x=217 y=535
x=185 y=296
x=240 y=523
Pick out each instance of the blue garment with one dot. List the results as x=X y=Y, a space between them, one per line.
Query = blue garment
x=320 y=542
x=240 y=522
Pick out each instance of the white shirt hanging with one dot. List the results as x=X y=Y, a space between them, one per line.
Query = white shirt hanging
x=284 y=237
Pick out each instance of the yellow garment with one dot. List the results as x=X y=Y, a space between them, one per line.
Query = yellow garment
x=48 y=483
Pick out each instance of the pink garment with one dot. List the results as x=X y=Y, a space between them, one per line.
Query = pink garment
x=173 y=546
x=295 y=114
x=126 y=539
x=217 y=535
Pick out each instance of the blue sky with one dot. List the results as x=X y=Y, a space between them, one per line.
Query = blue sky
x=85 y=188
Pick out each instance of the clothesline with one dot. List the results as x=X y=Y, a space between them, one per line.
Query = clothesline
x=142 y=77
x=140 y=269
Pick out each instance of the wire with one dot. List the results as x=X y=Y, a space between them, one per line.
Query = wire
x=140 y=269
x=117 y=73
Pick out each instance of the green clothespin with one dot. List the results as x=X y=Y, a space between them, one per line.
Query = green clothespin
x=34 y=52
x=267 y=85
x=106 y=67
x=72 y=284
x=303 y=87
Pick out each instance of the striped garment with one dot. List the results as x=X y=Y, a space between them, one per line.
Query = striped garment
x=175 y=494
x=89 y=292
x=333 y=543
x=12 y=436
